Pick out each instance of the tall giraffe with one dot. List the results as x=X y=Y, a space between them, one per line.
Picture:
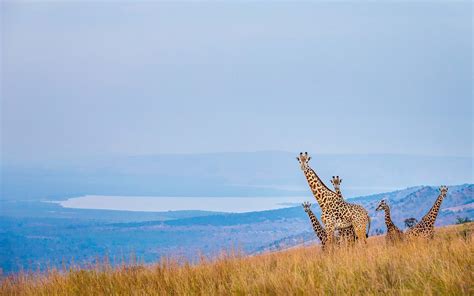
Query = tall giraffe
x=345 y=235
x=425 y=228
x=393 y=232
x=336 y=212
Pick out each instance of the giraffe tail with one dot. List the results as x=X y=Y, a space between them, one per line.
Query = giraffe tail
x=368 y=228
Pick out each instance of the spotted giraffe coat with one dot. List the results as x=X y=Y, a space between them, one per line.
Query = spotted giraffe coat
x=425 y=228
x=394 y=234
x=346 y=235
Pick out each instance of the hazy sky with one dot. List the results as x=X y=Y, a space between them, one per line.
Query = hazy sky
x=98 y=78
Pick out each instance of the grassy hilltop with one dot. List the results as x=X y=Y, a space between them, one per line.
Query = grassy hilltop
x=442 y=266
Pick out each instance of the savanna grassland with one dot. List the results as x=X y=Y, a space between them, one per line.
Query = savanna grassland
x=442 y=266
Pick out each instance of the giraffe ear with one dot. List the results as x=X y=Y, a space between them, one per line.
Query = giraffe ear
x=309 y=158
x=297 y=158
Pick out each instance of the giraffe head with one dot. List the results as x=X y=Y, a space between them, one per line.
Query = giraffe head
x=383 y=205
x=303 y=159
x=336 y=182
x=307 y=206
x=443 y=189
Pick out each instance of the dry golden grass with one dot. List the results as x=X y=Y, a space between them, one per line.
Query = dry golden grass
x=443 y=266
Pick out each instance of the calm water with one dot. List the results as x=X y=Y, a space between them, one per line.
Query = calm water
x=160 y=204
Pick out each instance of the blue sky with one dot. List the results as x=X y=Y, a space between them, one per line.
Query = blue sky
x=98 y=78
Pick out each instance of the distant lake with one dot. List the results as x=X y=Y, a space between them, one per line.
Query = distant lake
x=162 y=204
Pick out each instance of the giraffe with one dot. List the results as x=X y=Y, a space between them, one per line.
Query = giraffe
x=393 y=232
x=336 y=212
x=345 y=235
x=336 y=182
x=425 y=228
x=317 y=227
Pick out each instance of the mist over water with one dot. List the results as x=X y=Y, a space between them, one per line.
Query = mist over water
x=161 y=204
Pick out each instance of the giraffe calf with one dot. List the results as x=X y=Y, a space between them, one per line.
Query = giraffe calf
x=394 y=234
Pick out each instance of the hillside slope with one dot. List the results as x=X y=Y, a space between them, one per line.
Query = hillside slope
x=441 y=266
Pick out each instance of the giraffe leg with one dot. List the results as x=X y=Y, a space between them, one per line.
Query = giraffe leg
x=360 y=232
x=347 y=236
x=330 y=234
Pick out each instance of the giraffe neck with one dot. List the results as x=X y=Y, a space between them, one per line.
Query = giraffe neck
x=388 y=219
x=321 y=192
x=317 y=227
x=338 y=192
x=430 y=217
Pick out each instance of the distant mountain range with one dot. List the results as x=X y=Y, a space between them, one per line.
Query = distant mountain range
x=30 y=240
x=227 y=174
